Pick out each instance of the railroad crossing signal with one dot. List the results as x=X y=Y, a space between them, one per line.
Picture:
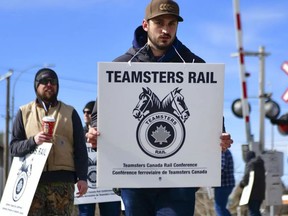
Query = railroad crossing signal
x=285 y=96
x=284 y=67
x=282 y=124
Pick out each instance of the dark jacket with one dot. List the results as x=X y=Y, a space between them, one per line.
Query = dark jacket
x=146 y=55
x=255 y=164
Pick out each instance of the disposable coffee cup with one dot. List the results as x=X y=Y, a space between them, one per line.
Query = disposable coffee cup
x=48 y=123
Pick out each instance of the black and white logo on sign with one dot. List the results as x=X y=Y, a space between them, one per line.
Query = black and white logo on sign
x=160 y=132
x=92 y=173
x=22 y=178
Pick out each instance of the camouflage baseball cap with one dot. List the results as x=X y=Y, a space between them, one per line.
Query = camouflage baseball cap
x=161 y=7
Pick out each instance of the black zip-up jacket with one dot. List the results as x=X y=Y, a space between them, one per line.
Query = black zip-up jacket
x=146 y=55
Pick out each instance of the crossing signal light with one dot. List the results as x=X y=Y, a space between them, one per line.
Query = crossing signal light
x=272 y=109
x=282 y=124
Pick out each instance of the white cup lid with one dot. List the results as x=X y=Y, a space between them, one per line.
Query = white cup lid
x=48 y=119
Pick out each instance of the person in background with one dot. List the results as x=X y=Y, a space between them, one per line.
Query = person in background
x=87 y=111
x=66 y=162
x=105 y=208
x=221 y=194
x=257 y=195
x=155 y=41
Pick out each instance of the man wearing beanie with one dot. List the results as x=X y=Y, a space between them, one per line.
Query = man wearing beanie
x=68 y=158
x=87 y=111
x=155 y=41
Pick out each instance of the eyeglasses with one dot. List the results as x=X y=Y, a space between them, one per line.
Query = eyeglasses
x=45 y=81
x=87 y=112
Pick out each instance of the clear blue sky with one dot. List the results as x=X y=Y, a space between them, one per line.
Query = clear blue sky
x=74 y=35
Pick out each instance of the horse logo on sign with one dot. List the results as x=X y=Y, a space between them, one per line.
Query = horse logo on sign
x=160 y=132
x=23 y=174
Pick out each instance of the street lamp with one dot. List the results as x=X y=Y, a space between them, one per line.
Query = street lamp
x=17 y=78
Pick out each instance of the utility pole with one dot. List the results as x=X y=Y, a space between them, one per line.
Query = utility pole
x=6 y=144
x=262 y=97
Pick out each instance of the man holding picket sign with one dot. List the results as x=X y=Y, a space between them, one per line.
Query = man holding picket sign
x=68 y=158
x=155 y=41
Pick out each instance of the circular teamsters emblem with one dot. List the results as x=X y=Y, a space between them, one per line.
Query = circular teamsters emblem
x=19 y=186
x=92 y=173
x=160 y=134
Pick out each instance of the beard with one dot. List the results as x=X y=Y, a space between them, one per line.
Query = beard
x=48 y=97
x=159 y=44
